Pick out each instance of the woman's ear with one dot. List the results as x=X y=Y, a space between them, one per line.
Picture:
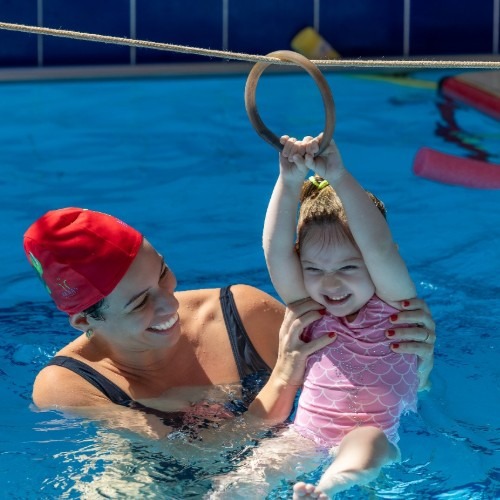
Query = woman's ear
x=79 y=321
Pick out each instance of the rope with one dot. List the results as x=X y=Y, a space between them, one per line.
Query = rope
x=221 y=54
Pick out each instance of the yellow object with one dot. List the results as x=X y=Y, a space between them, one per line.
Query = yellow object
x=405 y=80
x=311 y=44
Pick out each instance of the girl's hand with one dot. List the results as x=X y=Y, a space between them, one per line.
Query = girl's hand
x=293 y=351
x=329 y=165
x=417 y=338
x=292 y=158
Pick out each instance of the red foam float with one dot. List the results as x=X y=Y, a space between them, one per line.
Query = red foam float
x=480 y=90
x=450 y=169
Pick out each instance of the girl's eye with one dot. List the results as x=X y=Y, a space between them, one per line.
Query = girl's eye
x=348 y=268
x=312 y=269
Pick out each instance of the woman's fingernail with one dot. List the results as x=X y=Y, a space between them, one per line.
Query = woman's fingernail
x=390 y=333
x=394 y=317
x=322 y=311
x=332 y=334
x=406 y=303
x=305 y=337
x=395 y=346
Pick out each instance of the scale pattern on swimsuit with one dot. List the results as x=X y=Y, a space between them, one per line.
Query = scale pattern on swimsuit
x=357 y=380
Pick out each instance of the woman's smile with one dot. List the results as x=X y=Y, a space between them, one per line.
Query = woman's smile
x=165 y=326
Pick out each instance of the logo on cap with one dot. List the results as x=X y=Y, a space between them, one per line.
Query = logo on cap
x=68 y=291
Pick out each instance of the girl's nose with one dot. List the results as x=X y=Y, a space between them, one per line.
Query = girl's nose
x=331 y=280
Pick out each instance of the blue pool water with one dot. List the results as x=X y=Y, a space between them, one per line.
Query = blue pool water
x=178 y=159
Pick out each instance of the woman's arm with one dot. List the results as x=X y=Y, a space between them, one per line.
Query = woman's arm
x=57 y=388
x=274 y=402
x=275 y=333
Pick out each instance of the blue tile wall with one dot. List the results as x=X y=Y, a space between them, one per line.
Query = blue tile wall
x=263 y=27
x=363 y=29
x=355 y=28
x=179 y=22
x=110 y=17
x=18 y=49
x=451 y=27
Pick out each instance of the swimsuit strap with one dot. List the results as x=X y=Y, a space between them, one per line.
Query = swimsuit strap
x=247 y=359
x=99 y=381
x=252 y=369
x=113 y=392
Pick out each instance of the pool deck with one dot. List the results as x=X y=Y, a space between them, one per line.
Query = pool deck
x=201 y=69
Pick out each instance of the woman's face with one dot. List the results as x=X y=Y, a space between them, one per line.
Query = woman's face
x=142 y=310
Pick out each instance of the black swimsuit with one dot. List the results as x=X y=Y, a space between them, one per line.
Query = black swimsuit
x=252 y=368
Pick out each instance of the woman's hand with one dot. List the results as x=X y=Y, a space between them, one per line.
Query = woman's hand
x=274 y=402
x=417 y=338
x=293 y=351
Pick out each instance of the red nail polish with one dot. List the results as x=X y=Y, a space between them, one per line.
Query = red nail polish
x=305 y=336
x=395 y=346
x=406 y=303
x=322 y=311
x=390 y=333
x=394 y=317
x=332 y=334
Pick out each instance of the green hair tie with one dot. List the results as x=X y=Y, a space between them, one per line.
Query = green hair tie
x=319 y=185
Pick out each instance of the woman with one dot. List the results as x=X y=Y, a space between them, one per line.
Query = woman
x=145 y=346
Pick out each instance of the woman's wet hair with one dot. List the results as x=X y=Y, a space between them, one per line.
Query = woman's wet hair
x=321 y=206
x=96 y=311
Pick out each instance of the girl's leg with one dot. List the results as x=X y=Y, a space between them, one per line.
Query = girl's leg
x=361 y=455
x=275 y=459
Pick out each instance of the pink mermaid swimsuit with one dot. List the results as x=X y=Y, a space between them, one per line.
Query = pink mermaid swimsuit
x=357 y=380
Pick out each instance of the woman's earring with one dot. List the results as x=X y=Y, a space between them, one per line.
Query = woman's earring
x=89 y=333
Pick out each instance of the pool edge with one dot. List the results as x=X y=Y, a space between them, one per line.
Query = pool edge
x=228 y=68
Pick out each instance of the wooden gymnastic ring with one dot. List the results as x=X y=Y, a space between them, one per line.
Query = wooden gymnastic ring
x=312 y=69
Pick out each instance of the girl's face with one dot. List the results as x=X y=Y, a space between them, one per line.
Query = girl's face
x=335 y=274
x=141 y=311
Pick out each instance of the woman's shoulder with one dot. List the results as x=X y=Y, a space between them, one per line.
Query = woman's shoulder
x=197 y=296
x=261 y=315
x=60 y=384
x=248 y=299
x=57 y=386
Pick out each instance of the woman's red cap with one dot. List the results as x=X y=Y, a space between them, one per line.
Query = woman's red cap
x=80 y=255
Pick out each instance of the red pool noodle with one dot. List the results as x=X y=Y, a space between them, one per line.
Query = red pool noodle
x=442 y=167
x=473 y=93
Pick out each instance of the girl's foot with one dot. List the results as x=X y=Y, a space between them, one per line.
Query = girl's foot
x=303 y=490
